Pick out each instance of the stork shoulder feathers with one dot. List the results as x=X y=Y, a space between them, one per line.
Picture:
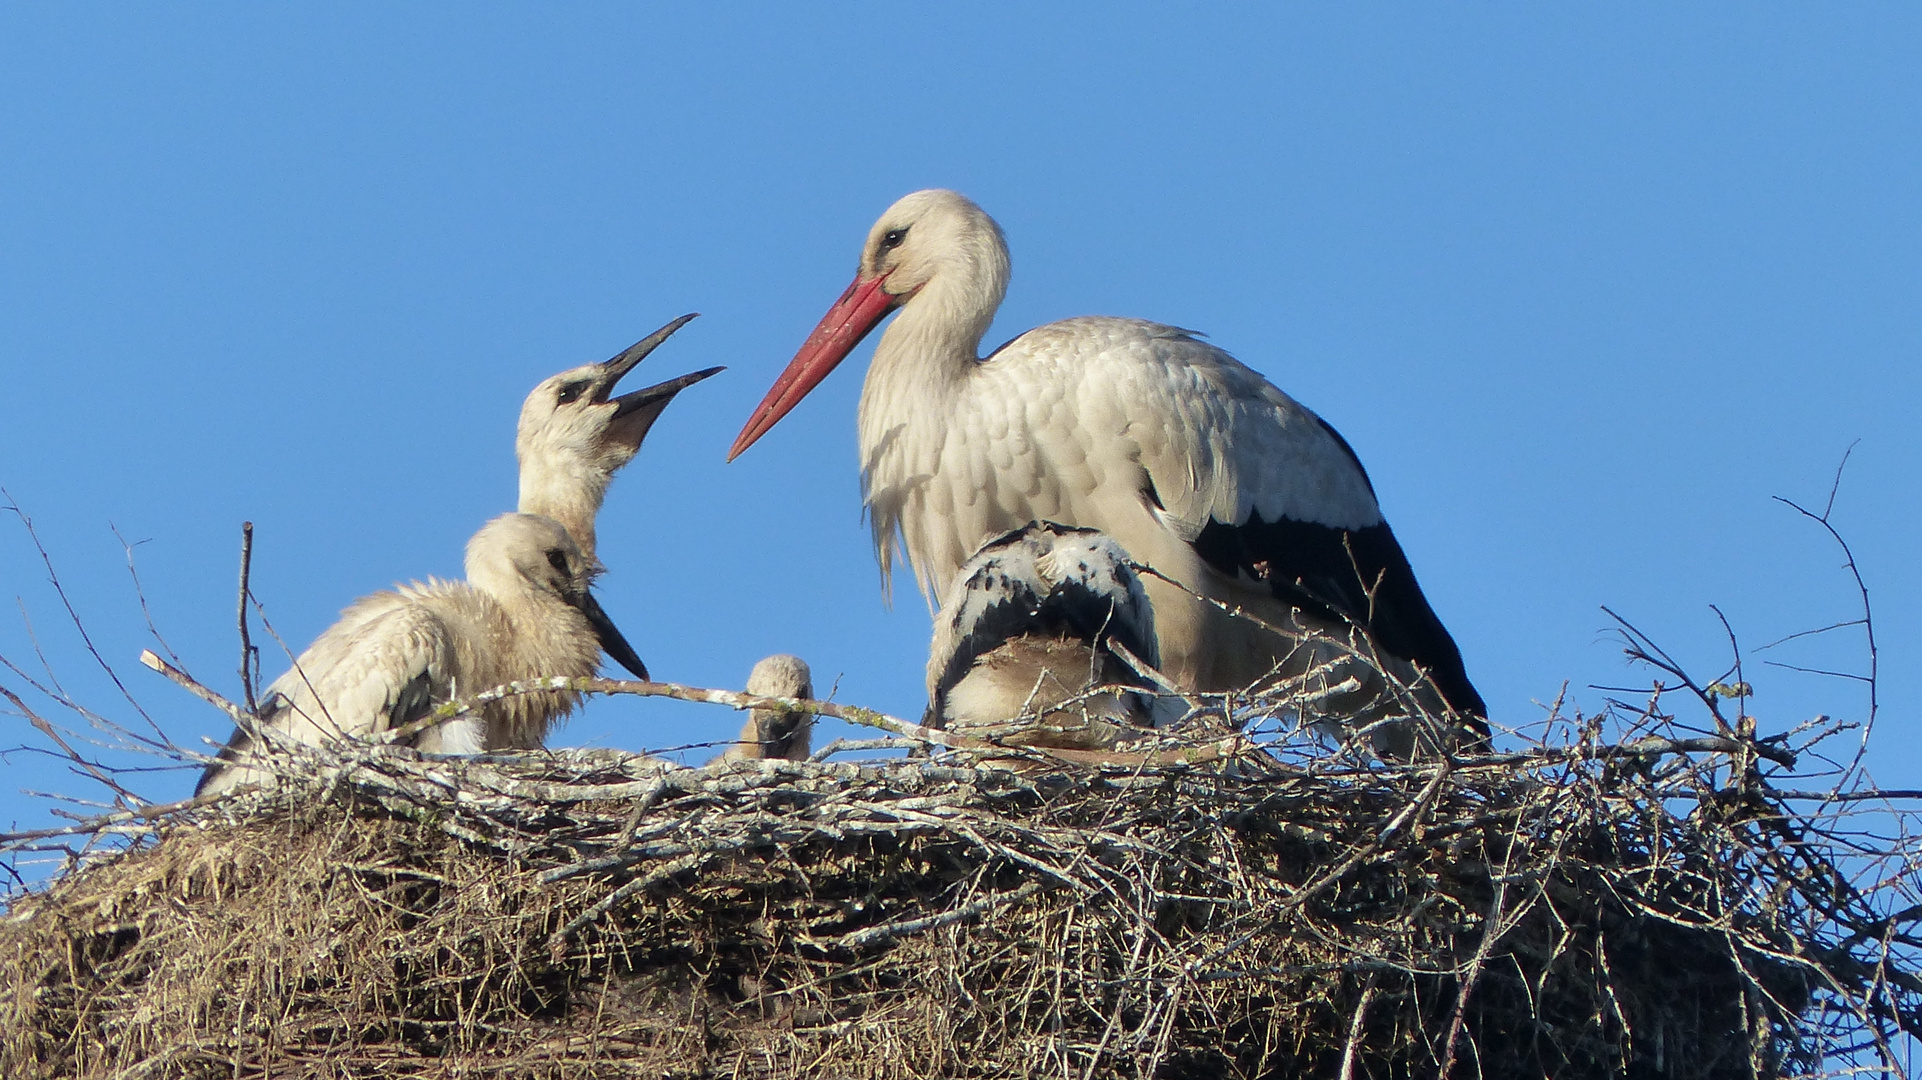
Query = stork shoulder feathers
x=384 y=648
x=391 y=654
x=1100 y=419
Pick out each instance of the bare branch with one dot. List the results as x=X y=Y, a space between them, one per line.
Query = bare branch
x=249 y=656
x=240 y=716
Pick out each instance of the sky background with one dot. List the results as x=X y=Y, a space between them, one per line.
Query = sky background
x=1583 y=287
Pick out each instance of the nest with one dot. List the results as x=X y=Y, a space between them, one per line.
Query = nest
x=1653 y=908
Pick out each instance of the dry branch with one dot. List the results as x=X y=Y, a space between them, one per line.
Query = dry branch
x=1621 y=896
x=1572 y=910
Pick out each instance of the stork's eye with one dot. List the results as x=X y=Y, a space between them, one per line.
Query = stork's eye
x=557 y=559
x=893 y=239
x=572 y=391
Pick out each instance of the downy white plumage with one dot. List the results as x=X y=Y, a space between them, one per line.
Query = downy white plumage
x=777 y=733
x=524 y=611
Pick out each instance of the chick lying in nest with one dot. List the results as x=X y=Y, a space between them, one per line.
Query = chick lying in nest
x=1030 y=637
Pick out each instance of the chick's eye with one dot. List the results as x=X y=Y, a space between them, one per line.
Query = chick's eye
x=893 y=239
x=571 y=392
x=557 y=559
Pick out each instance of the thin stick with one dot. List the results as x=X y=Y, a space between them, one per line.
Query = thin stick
x=193 y=686
x=249 y=656
x=1355 y=1027
x=124 y=798
x=875 y=935
x=1220 y=748
x=161 y=742
x=1868 y=611
x=141 y=813
x=140 y=593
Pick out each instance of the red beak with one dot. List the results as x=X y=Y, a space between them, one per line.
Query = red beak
x=859 y=310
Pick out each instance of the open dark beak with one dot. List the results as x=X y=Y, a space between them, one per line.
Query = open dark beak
x=635 y=412
x=612 y=643
x=617 y=367
x=658 y=395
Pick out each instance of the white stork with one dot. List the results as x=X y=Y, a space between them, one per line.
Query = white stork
x=1194 y=463
x=574 y=435
x=524 y=611
x=777 y=733
x=1027 y=635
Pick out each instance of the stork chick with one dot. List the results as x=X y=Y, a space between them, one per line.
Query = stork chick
x=1027 y=638
x=777 y=733
x=574 y=435
x=525 y=611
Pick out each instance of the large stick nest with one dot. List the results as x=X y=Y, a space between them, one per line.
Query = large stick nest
x=1651 y=910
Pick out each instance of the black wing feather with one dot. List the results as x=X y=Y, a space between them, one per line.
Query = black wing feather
x=415 y=700
x=1331 y=572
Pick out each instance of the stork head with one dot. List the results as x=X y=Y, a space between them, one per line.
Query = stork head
x=779 y=733
x=781 y=675
x=935 y=248
x=575 y=433
x=518 y=557
x=934 y=234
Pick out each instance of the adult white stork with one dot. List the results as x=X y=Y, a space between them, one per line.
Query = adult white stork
x=525 y=611
x=1193 y=462
x=777 y=733
x=574 y=435
x=1027 y=637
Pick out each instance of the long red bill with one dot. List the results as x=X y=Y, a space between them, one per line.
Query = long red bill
x=857 y=312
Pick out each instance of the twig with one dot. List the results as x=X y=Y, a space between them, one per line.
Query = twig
x=140 y=592
x=53 y=578
x=188 y=683
x=1868 y=611
x=876 y=935
x=121 y=795
x=1221 y=748
x=150 y=812
x=1355 y=1027
x=249 y=656
x=846 y=746
x=1491 y=933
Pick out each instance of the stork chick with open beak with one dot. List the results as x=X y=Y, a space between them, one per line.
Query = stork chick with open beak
x=574 y=435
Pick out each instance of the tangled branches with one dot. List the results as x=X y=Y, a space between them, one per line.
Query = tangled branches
x=1635 y=893
x=1652 y=906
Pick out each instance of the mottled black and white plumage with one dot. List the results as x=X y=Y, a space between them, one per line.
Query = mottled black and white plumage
x=1192 y=461
x=1029 y=624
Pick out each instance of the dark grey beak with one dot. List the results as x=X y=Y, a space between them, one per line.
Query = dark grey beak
x=612 y=643
x=613 y=370
x=659 y=394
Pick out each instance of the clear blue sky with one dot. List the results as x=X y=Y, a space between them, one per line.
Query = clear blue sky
x=1583 y=287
